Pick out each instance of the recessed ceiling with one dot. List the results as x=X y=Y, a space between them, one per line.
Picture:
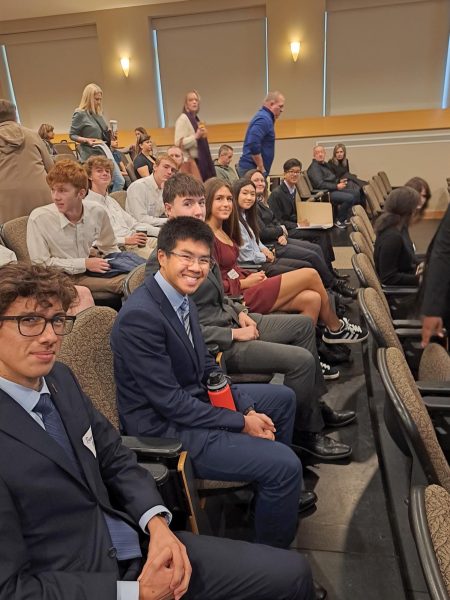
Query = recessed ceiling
x=29 y=9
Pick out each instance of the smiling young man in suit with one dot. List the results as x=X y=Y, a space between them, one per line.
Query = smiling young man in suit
x=79 y=518
x=162 y=366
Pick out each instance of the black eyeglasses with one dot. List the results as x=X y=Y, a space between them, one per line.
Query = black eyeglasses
x=34 y=325
x=189 y=260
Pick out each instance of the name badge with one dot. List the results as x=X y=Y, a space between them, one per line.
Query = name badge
x=232 y=274
x=88 y=441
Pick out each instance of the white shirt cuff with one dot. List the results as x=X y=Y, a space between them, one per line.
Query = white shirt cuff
x=127 y=590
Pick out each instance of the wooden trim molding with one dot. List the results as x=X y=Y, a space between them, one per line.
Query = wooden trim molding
x=315 y=127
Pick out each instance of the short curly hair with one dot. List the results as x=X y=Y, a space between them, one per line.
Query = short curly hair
x=98 y=161
x=44 y=284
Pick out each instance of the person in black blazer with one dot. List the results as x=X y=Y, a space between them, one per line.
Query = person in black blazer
x=436 y=293
x=394 y=256
x=67 y=484
x=161 y=375
x=282 y=203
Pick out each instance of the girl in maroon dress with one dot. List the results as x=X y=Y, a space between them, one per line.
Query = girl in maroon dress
x=299 y=291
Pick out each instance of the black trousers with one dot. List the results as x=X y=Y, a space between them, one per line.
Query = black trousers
x=320 y=237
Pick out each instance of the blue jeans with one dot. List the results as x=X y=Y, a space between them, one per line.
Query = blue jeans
x=344 y=200
x=118 y=181
x=272 y=466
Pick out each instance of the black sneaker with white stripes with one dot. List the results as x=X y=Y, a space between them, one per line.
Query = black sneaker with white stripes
x=328 y=371
x=349 y=333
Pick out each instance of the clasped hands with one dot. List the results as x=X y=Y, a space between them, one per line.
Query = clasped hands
x=167 y=570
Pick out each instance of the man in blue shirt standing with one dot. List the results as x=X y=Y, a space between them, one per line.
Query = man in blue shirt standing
x=259 y=143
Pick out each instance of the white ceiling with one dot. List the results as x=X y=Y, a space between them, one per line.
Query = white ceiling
x=28 y=9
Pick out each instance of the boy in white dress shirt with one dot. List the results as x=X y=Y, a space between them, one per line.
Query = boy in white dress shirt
x=62 y=234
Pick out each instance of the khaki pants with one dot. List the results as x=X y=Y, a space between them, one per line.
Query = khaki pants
x=113 y=285
x=146 y=250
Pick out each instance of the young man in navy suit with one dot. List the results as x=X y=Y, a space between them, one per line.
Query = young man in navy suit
x=79 y=518
x=161 y=373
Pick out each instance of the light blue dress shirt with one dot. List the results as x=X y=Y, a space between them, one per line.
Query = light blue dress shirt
x=250 y=251
x=173 y=296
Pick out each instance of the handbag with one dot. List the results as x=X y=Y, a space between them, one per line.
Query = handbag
x=120 y=263
x=106 y=133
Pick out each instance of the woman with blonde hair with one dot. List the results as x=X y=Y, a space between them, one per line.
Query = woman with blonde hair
x=191 y=136
x=90 y=130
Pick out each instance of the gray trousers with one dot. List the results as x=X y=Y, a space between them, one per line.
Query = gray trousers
x=287 y=345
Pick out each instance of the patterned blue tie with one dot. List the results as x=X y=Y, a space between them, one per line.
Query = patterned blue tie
x=124 y=538
x=184 y=315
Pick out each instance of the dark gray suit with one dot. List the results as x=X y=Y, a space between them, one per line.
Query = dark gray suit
x=286 y=345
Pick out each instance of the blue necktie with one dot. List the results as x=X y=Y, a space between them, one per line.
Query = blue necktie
x=184 y=314
x=124 y=538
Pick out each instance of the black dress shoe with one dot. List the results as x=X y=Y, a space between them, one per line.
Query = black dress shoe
x=344 y=289
x=339 y=275
x=337 y=418
x=340 y=300
x=307 y=500
x=321 y=446
x=321 y=592
x=333 y=355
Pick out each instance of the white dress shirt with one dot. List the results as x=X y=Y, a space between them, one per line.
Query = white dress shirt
x=6 y=256
x=122 y=222
x=53 y=240
x=145 y=203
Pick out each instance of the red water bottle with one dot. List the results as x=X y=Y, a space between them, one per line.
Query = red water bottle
x=219 y=391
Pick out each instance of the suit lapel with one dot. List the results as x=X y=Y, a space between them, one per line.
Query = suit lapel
x=70 y=413
x=15 y=422
x=197 y=336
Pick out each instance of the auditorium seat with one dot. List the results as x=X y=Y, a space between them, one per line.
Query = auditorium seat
x=433 y=374
x=359 y=224
x=360 y=211
x=14 y=234
x=429 y=515
x=361 y=245
x=412 y=414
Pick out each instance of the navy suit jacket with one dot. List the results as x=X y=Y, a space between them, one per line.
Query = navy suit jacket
x=160 y=377
x=55 y=543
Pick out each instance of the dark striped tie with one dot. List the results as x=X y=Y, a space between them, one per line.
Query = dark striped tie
x=124 y=538
x=184 y=314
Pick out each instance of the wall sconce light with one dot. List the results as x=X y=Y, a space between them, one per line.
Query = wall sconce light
x=295 y=50
x=125 y=64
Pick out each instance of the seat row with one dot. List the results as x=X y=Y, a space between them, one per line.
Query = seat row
x=411 y=426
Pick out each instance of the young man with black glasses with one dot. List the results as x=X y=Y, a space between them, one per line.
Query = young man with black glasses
x=79 y=518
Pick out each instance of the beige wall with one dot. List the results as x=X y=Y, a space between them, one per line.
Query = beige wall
x=127 y=31
x=132 y=101
x=301 y=82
